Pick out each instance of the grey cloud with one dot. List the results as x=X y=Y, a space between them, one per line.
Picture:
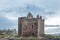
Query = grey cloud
x=5 y=23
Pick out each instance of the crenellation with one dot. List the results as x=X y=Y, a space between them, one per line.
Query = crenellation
x=37 y=16
x=29 y=16
x=40 y=17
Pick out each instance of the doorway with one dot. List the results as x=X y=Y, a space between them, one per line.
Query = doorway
x=32 y=34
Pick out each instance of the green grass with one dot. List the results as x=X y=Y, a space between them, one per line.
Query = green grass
x=2 y=35
x=50 y=36
x=28 y=38
x=5 y=35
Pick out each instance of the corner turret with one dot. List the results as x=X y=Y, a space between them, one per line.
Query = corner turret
x=29 y=16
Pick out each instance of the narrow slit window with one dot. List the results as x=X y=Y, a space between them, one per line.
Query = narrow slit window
x=32 y=26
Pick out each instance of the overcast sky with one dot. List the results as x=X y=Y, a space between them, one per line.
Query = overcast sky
x=10 y=10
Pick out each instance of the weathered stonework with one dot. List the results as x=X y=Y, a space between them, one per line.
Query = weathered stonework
x=29 y=26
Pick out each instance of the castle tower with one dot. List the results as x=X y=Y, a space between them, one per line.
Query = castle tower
x=40 y=23
x=19 y=26
x=29 y=16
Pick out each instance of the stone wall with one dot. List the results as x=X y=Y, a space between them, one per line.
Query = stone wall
x=29 y=28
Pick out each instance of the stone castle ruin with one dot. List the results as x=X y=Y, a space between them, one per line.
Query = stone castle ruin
x=30 y=26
